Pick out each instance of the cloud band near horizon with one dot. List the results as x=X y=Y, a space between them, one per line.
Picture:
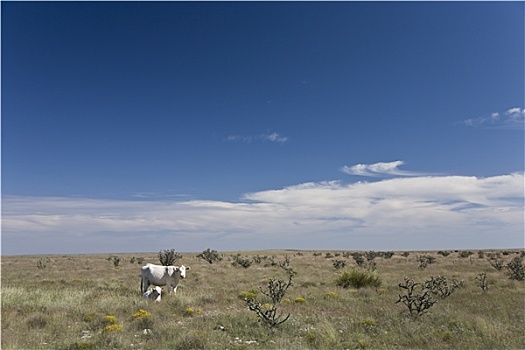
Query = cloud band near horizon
x=430 y=212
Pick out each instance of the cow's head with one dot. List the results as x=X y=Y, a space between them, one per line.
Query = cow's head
x=182 y=270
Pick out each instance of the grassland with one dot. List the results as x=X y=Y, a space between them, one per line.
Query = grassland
x=87 y=302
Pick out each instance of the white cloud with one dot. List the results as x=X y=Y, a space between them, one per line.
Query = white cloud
x=431 y=212
x=512 y=119
x=273 y=137
x=378 y=169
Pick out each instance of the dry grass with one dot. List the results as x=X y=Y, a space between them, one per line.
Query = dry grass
x=65 y=304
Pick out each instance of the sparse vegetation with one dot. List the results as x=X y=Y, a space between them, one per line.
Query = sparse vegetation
x=66 y=304
x=425 y=260
x=482 y=281
x=245 y=262
x=495 y=260
x=339 y=264
x=515 y=267
x=276 y=290
x=417 y=298
x=210 y=256
x=115 y=259
x=440 y=286
x=169 y=257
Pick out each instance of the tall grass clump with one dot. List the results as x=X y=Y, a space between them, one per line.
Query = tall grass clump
x=358 y=279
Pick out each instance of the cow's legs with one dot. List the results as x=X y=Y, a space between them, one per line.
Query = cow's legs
x=145 y=285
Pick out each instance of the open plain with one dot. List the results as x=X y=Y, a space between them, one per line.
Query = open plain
x=94 y=302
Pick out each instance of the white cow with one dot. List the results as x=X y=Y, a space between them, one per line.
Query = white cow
x=158 y=275
x=154 y=294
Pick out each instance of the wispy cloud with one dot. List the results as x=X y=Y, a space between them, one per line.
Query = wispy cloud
x=379 y=169
x=511 y=119
x=428 y=212
x=273 y=137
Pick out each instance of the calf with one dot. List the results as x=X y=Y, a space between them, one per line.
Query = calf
x=153 y=294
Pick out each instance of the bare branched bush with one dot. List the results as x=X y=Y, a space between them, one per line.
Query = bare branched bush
x=387 y=255
x=41 y=264
x=417 y=298
x=440 y=286
x=238 y=260
x=465 y=253
x=276 y=290
x=169 y=257
x=482 y=281
x=115 y=259
x=495 y=260
x=365 y=261
x=516 y=270
x=285 y=264
x=425 y=260
x=339 y=264
x=371 y=255
x=210 y=256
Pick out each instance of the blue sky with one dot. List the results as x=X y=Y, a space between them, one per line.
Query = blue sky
x=135 y=127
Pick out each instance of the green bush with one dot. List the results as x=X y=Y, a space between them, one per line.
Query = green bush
x=358 y=279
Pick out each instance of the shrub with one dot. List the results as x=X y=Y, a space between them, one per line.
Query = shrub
x=444 y=253
x=417 y=301
x=276 y=290
x=299 y=300
x=439 y=286
x=240 y=261
x=41 y=264
x=368 y=264
x=516 y=270
x=358 y=279
x=339 y=264
x=495 y=260
x=465 y=253
x=405 y=254
x=169 y=257
x=210 y=256
x=115 y=259
x=482 y=278
x=359 y=259
x=387 y=255
x=371 y=255
x=425 y=260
